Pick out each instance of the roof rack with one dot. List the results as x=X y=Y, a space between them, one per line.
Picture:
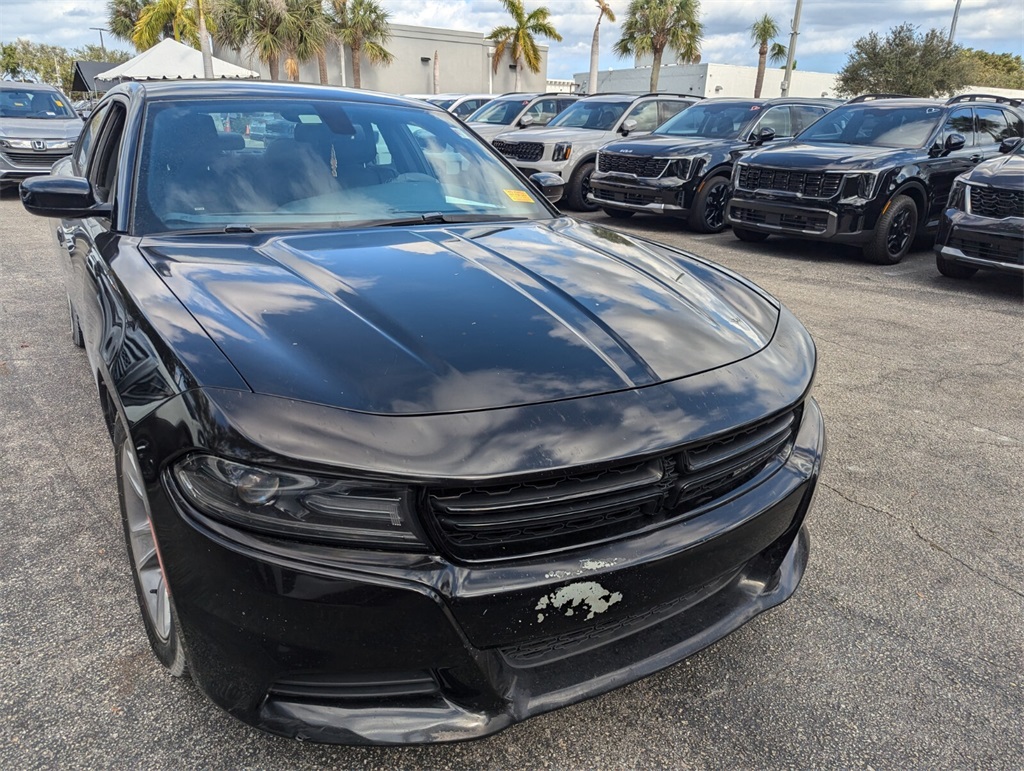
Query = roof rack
x=873 y=97
x=985 y=98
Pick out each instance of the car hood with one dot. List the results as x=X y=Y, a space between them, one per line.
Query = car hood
x=1006 y=172
x=437 y=319
x=652 y=145
x=491 y=130
x=556 y=134
x=814 y=156
x=41 y=128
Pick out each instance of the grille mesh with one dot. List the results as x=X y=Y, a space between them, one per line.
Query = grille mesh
x=998 y=248
x=816 y=184
x=41 y=160
x=521 y=151
x=517 y=519
x=641 y=166
x=992 y=202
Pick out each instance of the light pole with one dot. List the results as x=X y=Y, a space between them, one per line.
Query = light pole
x=952 y=27
x=101 y=30
x=791 y=54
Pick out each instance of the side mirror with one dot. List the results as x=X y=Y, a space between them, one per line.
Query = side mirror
x=627 y=126
x=955 y=142
x=550 y=185
x=526 y=121
x=764 y=135
x=1010 y=144
x=64 y=197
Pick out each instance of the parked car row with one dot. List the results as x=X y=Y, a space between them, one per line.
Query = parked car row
x=875 y=172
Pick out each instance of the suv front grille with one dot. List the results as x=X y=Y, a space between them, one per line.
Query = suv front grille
x=990 y=247
x=573 y=509
x=42 y=160
x=521 y=151
x=631 y=164
x=815 y=184
x=995 y=203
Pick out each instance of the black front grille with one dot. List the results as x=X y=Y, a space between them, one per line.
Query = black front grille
x=573 y=509
x=815 y=184
x=752 y=216
x=805 y=221
x=996 y=203
x=41 y=160
x=641 y=166
x=622 y=196
x=521 y=151
x=986 y=247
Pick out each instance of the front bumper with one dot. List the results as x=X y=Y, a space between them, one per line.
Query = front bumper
x=561 y=168
x=981 y=242
x=809 y=218
x=664 y=195
x=345 y=646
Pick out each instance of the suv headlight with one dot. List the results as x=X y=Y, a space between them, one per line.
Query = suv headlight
x=16 y=144
x=300 y=505
x=958 y=197
x=859 y=185
x=682 y=167
x=562 y=151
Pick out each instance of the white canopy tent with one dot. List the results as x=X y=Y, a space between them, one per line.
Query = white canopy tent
x=171 y=60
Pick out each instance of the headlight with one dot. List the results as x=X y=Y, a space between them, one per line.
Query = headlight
x=860 y=185
x=60 y=144
x=562 y=151
x=736 y=169
x=17 y=144
x=958 y=198
x=299 y=505
x=681 y=167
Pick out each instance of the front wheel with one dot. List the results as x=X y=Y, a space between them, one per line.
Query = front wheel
x=750 y=236
x=151 y=590
x=707 y=215
x=579 y=188
x=950 y=269
x=894 y=232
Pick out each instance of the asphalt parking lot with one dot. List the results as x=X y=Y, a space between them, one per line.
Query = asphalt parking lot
x=902 y=648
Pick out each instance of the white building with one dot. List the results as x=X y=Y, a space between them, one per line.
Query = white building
x=710 y=80
x=464 y=65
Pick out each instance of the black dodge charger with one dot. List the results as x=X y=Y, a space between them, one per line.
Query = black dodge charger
x=404 y=455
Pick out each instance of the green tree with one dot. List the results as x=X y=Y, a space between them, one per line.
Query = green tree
x=651 y=26
x=993 y=70
x=49 y=63
x=604 y=10
x=10 y=62
x=271 y=29
x=363 y=26
x=904 y=62
x=519 y=39
x=187 y=18
x=763 y=32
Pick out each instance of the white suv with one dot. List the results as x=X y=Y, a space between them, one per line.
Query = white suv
x=568 y=146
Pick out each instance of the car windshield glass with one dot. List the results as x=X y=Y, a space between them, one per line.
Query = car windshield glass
x=714 y=121
x=500 y=112
x=600 y=116
x=34 y=103
x=875 y=126
x=285 y=162
x=444 y=104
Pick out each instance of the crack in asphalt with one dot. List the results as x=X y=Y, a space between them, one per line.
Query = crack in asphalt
x=925 y=539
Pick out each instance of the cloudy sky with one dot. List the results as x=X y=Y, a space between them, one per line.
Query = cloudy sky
x=827 y=31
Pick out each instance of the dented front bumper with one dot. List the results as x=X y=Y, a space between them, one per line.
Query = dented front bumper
x=356 y=647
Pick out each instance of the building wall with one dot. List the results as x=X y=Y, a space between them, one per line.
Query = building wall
x=464 y=60
x=711 y=80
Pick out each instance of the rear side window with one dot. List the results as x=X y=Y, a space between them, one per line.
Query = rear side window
x=992 y=126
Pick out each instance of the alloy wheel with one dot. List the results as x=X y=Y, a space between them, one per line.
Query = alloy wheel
x=714 y=206
x=899 y=234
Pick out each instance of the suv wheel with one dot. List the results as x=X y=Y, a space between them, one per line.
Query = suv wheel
x=894 y=232
x=950 y=269
x=707 y=215
x=619 y=214
x=579 y=187
x=750 y=236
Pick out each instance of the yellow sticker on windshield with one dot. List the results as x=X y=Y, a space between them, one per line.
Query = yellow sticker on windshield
x=519 y=196
x=58 y=102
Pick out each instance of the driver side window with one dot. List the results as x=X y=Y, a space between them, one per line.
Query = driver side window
x=87 y=138
x=777 y=119
x=645 y=115
x=961 y=122
x=543 y=111
x=103 y=165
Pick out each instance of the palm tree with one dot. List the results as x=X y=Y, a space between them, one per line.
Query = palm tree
x=519 y=38
x=603 y=10
x=651 y=26
x=295 y=29
x=123 y=15
x=363 y=26
x=763 y=32
x=188 y=20
x=306 y=32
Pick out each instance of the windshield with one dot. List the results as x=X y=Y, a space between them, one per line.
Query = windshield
x=39 y=103
x=600 y=116
x=857 y=124
x=500 y=112
x=713 y=121
x=444 y=104
x=210 y=164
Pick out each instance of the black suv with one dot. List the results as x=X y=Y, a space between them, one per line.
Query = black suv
x=983 y=224
x=875 y=172
x=683 y=168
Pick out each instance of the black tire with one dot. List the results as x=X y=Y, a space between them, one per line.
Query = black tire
x=618 y=214
x=579 y=186
x=750 y=236
x=155 y=605
x=951 y=269
x=894 y=232
x=76 y=328
x=707 y=215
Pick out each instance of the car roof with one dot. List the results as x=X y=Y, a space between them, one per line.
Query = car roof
x=21 y=85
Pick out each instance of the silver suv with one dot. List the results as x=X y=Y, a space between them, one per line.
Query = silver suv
x=568 y=146
x=517 y=111
x=38 y=127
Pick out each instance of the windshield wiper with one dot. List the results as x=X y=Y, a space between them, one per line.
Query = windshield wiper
x=213 y=231
x=436 y=217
